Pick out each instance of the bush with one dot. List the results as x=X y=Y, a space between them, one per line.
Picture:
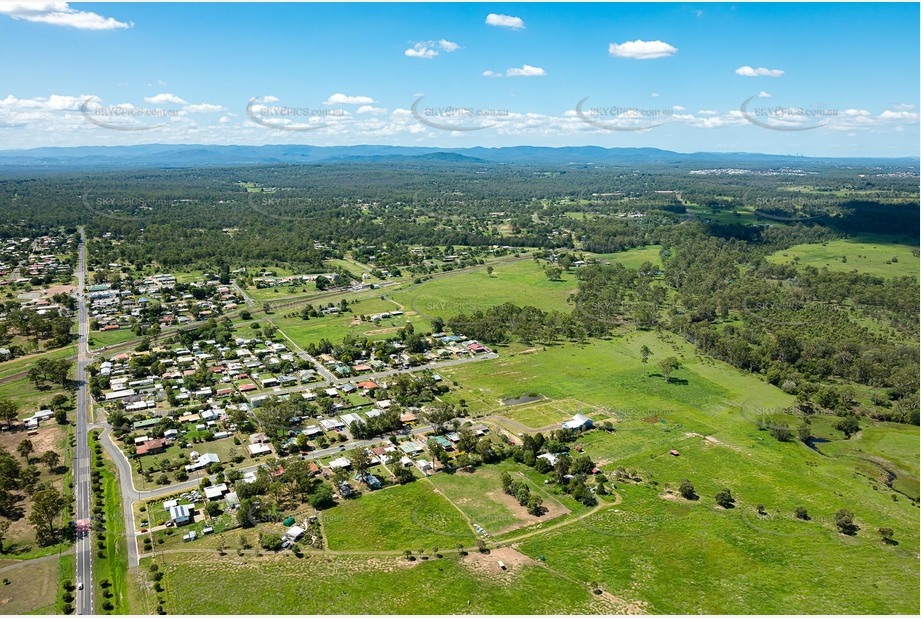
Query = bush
x=686 y=489
x=724 y=498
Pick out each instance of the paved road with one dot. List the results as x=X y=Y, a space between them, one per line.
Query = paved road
x=81 y=464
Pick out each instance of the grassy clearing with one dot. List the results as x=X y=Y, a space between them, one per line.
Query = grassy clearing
x=112 y=564
x=20 y=390
x=356 y=585
x=479 y=495
x=633 y=258
x=99 y=339
x=33 y=588
x=865 y=254
x=398 y=518
x=522 y=283
x=336 y=327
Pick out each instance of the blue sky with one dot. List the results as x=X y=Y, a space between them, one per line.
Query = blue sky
x=819 y=79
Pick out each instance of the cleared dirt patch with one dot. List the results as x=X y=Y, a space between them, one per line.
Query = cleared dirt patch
x=489 y=563
x=553 y=509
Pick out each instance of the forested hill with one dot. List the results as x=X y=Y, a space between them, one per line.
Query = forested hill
x=184 y=155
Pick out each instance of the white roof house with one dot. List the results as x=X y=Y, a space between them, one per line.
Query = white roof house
x=341 y=462
x=294 y=533
x=216 y=492
x=181 y=513
x=579 y=421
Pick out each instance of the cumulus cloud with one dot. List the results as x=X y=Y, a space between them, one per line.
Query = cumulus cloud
x=747 y=71
x=764 y=95
x=202 y=108
x=343 y=99
x=60 y=14
x=504 y=21
x=429 y=49
x=642 y=50
x=526 y=70
x=420 y=50
x=165 y=97
x=370 y=109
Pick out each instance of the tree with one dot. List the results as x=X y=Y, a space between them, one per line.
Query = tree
x=25 y=449
x=668 y=365
x=886 y=534
x=360 y=460
x=724 y=498
x=535 y=505
x=686 y=489
x=849 y=425
x=51 y=459
x=844 y=519
x=553 y=273
x=801 y=513
x=489 y=270
x=47 y=506
x=439 y=416
x=9 y=412
x=4 y=527
x=645 y=353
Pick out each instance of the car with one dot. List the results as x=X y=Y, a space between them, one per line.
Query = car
x=143 y=530
x=341 y=448
x=79 y=585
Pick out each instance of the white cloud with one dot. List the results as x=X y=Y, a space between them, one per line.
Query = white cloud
x=269 y=99
x=342 y=99
x=60 y=14
x=747 y=71
x=903 y=106
x=898 y=115
x=654 y=94
x=764 y=95
x=427 y=49
x=370 y=109
x=642 y=50
x=165 y=97
x=505 y=21
x=707 y=112
x=202 y=108
x=526 y=70
x=421 y=50
x=491 y=74
x=678 y=108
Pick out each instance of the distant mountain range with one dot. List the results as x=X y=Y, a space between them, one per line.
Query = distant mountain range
x=193 y=155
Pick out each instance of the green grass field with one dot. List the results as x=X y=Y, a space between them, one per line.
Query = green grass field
x=20 y=390
x=865 y=254
x=479 y=495
x=522 y=283
x=405 y=517
x=111 y=337
x=362 y=584
x=633 y=258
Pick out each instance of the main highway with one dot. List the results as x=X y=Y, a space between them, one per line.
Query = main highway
x=81 y=464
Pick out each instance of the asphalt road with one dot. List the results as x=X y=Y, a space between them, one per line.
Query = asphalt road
x=81 y=465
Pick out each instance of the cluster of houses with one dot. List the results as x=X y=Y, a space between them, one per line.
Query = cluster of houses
x=122 y=306
x=243 y=366
x=23 y=259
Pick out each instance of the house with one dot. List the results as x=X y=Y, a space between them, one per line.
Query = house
x=258 y=438
x=579 y=421
x=203 y=461
x=345 y=490
x=151 y=447
x=341 y=462
x=294 y=533
x=232 y=499
x=372 y=481
x=181 y=514
x=257 y=450
x=216 y=492
x=331 y=423
x=171 y=434
x=407 y=417
x=350 y=418
x=424 y=465
x=411 y=448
